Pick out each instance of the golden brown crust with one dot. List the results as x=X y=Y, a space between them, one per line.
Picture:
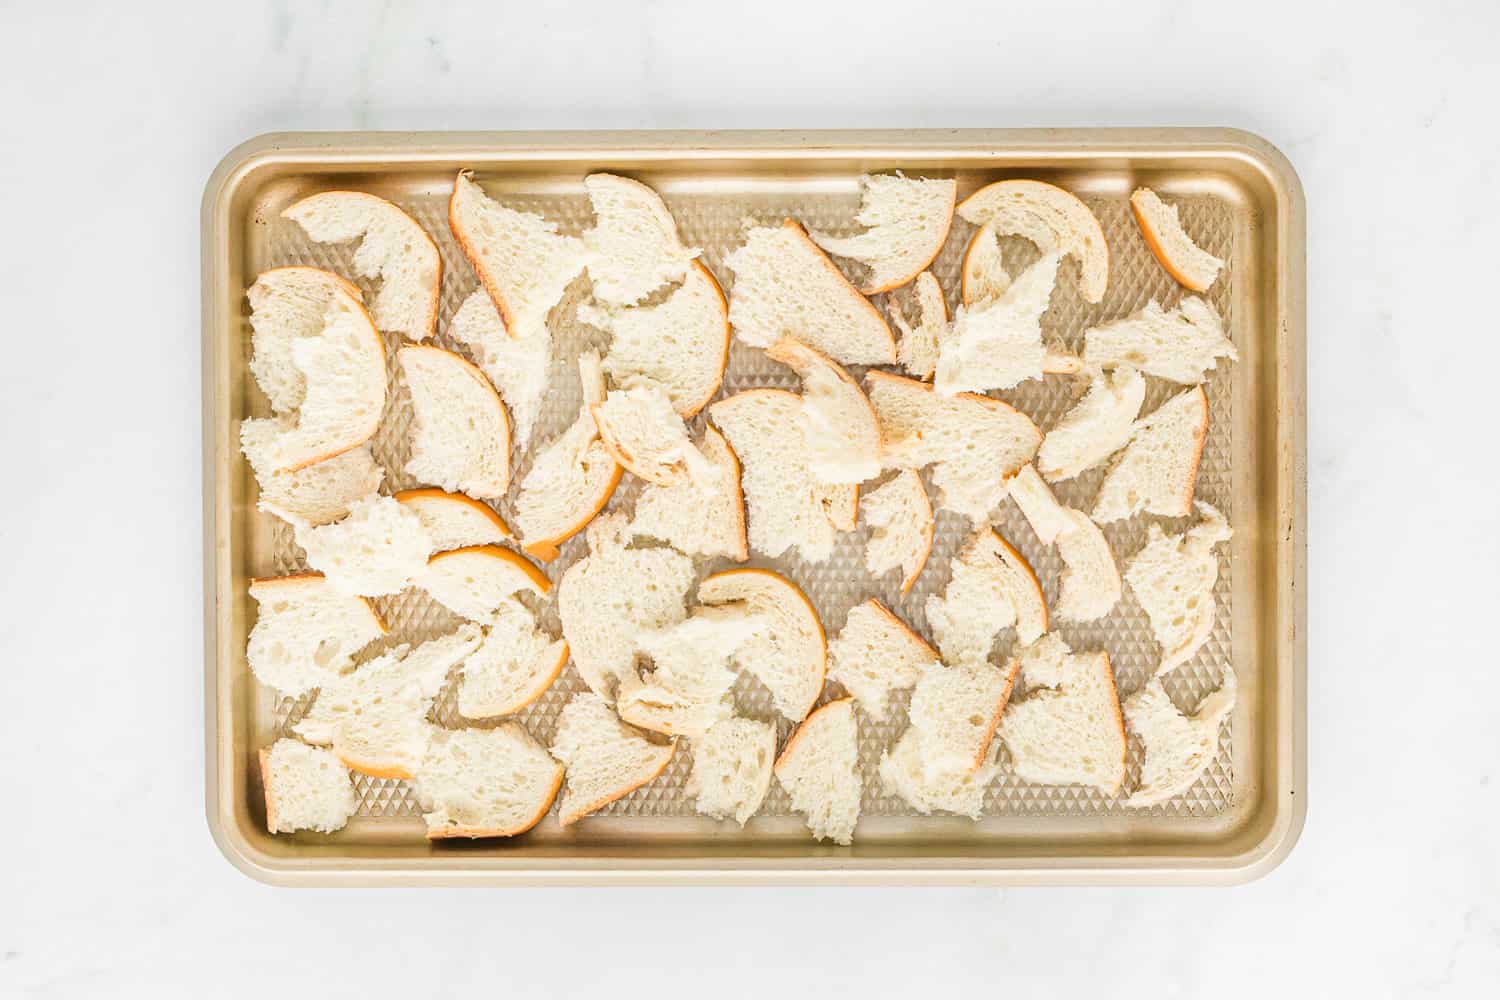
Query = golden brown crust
x=527 y=567
x=627 y=461
x=547 y=549
x=801 y=232
x=966 y=292
x=1192 y=483
x=373 y=339
x=1015 y=554
x=264 y=755
x=373 y=768
x=470 y=254
x=998 y=405
x=792 y=740
x=1012 y=671
x=1157 y=248
x=481 y=379
x=540 y=688
x=348 y=286
x=786 y=586
x=475 y=832
x=1055 y=191
x=1109 y=676
x=928 y=525
x=713 y=390
x=880 y=609
x=259 y=584
x=937 y=248
x=568 y=819
x=742 y=537
x=478 y=506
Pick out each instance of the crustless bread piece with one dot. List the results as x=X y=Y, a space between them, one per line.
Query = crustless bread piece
x=286 y=305
x=997 y=344
x=315 y=494
x=787 y=507
x=460 y=431
x=954 y=712
x=393 y=248
x=516 y=366
x=900 y=519
x=1053 y=219
x=476 y=581
x=906 y=220
x=516 y=663
x=646 y=436
x=571 y=478
x=1173 y=579
x=1068 y=728
x=921 y=339
x=732 y=769
x=1158 y=470
x=819 y=768
x=306 y=788
x=1047 y=517
x=485 y=782
x=1096 y=427
x=991 y=589
x=973 y=443
x=1178 y=747
x=876 y=653
x=378 y=549
x=682 y=344
x=1181 y=344
x=699 y=517
x=1189 y=265
x=686 y=690
x=839 y=428
x=306 y=632
x=903 y=774
x=605 y=759
x=788 y=652
x=982 y=276
x=785 y=286
x=633 y=248
x=520 y=258
x=1090 y=585
x=453 y=520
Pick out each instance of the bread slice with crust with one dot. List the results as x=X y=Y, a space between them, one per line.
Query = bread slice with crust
x=685 y=691
x=633 y=248
x=496 y=782
x=306 y=632
x=1068 y=728
x=839 y=428
x=454 y=520
x=286 y=305
x=875 y=654
x=785 y=286
x=460 y=431
x=514 y=665
x=900 y=519
x=1181 y=344
x=699 y=517
x=991 y=589
x=571 y=478
x=1047 y=517
x=517 y=367
x=393 y=247
x=521 y=259
x=605 y=758
x=921 y=339
x=1096 y=427
x=788 y=651
x=315 y=494
x=375 y=719
x=378 y=549
x=982 y=275
x=906 y=220
x=613 y=596
x=1053 y=219
x=1158 y=470
x=997 y=344
x=788 y=508
x=732 y=769
x=1178 y=747
x=1189 y=264
x=819 y=768
x=1090 y=585
x=903 y=774
x=306 y=788
x=643 y=432
x=954 y=712
x=682 y=344
x=973 y=443
x=1173 y=579
x=476 y=581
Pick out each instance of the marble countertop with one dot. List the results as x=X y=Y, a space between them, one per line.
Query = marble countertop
x=116 y=113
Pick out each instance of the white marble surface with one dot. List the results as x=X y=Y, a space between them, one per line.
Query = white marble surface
x=116 y=113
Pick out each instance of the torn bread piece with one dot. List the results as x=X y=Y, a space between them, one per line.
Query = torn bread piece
x=982 y=276
x=1090 y=586
x=306 y=632
x=286 y=305
x=1181 y=344
x=633 y=247
x=1067 y=729
x=906 y=220
x=685 y=692
x=992 y=588
x=520 y=258
x=1053 y=219
x=475 y=783
x=613 y=596
x=1173 y=580
x=1158 y=471
x=997 y=344
x=380 y=548
x=875 y=654
x=393 y=247
x=732 y=769
x=1047 y=517
x=1178 y=747
x=819 y=768
x=839 y=428
x=375 y=719
x=903 y=774
x=646 y=436
x=900 y=519
x=307 y=788
x=1096 y=426
x=785 y=286
x=1189 y=264
x=682 y=344
x=476 y=581
x=454 y=520
x=788 y=651
x=514 y=665
x=698 y=517
x=922 y=338
x=605 y=758
x=460 y=433
x=315 y=494
x=954 y=712
x=516 y=366
x=973 y=443
x=787 y=507
x=571 y=478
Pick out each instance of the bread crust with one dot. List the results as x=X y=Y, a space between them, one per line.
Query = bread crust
x=797 y=228
x=741 y=533
x=1158 y=248
x=460 y=233
x=475 y=832
x=966 y=293
x=879 y=608
x=526 y=566
x=928 y=525
x=1031 y=574
x=724 y=347
x=614 y=795
x=1202 y=439
x=1045 y=196
x=536 y=692
x=1109 y=676
x=437 y=493
x=547 y=549
x=272 y=812
x=792 y=740
x=786 y=585
x=303 y=579
x=988 y=401
x=937 y=248
x=802 y=358
x=1011 y=671
x=624 y=459
x=480 y=378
